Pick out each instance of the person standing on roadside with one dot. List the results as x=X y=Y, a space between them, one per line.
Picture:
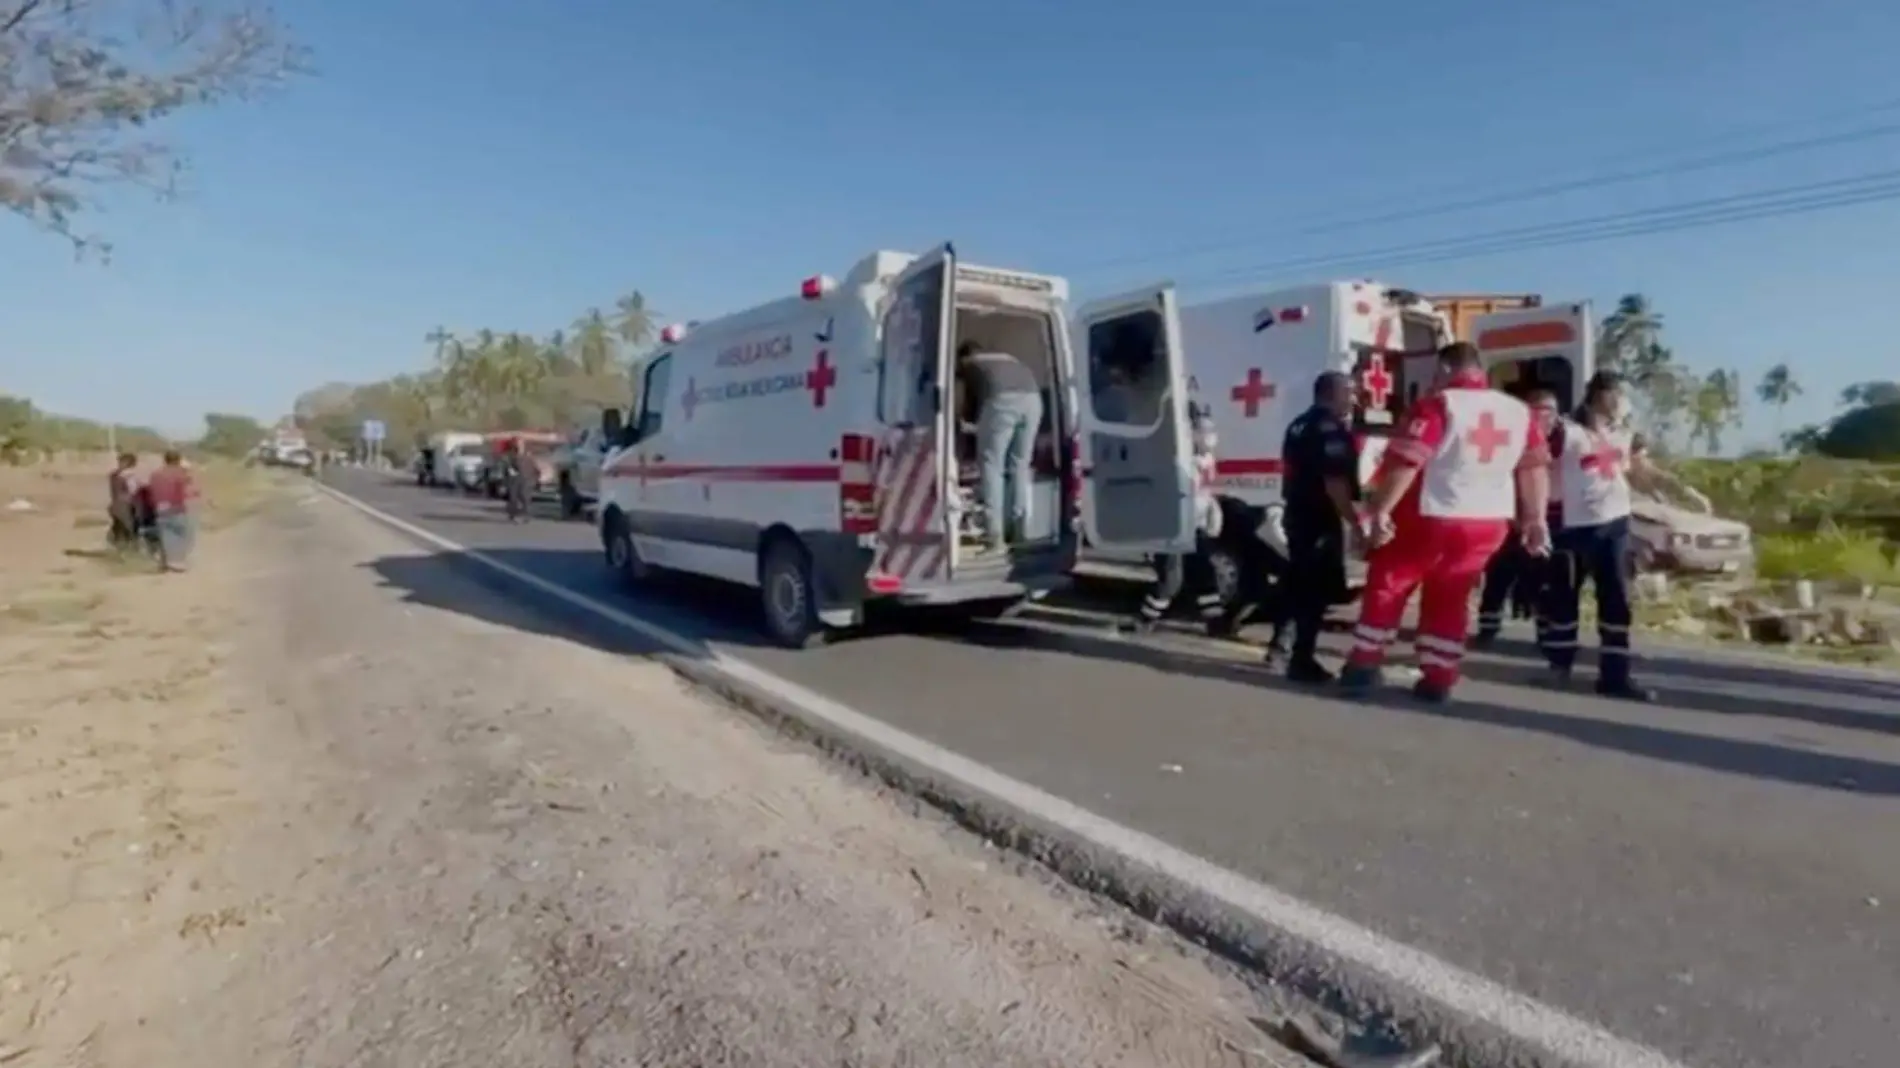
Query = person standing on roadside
x=1514 y=579
x=1598 y=458
x=174 y=495
x=1322 y=491
x=1440 y=505
x=1173 y=572
x=522 y=474
x=122 y=502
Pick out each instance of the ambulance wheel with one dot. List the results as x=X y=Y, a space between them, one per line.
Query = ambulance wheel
x=1223 y=564
x=570 y=500
x=622 y=558
x=788 y=596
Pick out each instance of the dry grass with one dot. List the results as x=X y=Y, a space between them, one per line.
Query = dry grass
x=115 y=787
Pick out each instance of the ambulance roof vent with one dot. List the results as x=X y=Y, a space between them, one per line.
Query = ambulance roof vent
x=815 y=287
x=673 y=334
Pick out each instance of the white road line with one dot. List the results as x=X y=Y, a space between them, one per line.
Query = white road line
x=1543 y=1027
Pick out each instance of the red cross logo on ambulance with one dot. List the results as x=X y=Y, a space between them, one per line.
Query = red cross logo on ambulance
x=821 y=378
x=690 y=399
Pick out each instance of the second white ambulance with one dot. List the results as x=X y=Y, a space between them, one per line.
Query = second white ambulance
x=1253 y=359
x=810 y=447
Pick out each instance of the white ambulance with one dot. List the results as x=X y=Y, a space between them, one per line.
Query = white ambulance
x=1253 y=359
x=811 y=447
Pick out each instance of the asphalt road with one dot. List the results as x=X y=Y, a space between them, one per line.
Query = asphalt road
x=1717 y=875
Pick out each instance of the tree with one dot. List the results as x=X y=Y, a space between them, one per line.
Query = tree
x=1715 y=407
x=1662 y=391
x=1870 y=432
x=594 y=343
x=1628 y=332
x=230 y=435
x=633 y=320
x=82 y=84
x=18 y=421
x=1777 y=388
x=1870 y=394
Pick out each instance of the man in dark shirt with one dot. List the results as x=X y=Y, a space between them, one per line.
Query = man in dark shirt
x=1514 y=575
x=1008 y=401
x=521 y=472
x=1320 y=487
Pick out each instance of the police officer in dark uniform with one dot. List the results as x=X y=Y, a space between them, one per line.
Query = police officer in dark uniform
x=1321 y=488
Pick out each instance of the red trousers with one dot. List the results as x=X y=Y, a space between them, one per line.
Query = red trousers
x=1446 y=559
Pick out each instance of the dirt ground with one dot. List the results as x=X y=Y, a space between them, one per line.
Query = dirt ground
x=321 y=801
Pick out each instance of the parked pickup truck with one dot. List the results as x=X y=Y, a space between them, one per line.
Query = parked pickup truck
x=577 y=470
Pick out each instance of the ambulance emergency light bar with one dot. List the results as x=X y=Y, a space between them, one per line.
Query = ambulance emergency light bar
x=673 y=334
x=815 y=287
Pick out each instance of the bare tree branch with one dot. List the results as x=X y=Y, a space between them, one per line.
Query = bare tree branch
x=82 y=82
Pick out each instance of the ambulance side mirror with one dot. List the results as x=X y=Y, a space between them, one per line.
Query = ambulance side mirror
x=612 y=425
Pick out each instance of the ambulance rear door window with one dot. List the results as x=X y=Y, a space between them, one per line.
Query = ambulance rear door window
x=1384 y=388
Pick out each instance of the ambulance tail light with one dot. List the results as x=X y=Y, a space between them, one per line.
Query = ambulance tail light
x=857 y=486
x=815 y=287
x=673 y=334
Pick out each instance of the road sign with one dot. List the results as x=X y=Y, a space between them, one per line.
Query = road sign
x=373 y=430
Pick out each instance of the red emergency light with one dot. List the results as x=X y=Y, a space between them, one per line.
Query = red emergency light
x=1291 y=315
x=815 y=287
x=672 y=334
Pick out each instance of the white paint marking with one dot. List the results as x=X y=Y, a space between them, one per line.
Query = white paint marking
x=1525 y=1019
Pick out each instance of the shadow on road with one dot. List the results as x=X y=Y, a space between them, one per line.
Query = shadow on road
x=1732 y=672
x=1717 y=694
x=1753 y=759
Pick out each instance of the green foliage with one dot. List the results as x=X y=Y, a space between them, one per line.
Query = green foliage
x=492 y=380
x=26 y=433
x=1797 y=493
x=1831 y=553
x=82 y=85
x=1867 y=433
x=230 y=436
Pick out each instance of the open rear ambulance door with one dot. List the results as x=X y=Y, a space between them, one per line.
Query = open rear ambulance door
x=1138 y=488
x=916 y=465
x=1552 y=347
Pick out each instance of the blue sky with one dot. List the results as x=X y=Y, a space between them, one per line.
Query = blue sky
x=508 y=163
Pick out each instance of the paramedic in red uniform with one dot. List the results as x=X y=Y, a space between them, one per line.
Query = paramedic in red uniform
x=1467 y=460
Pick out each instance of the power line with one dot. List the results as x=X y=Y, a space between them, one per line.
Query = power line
x=1761 y=204
x=1546 y=190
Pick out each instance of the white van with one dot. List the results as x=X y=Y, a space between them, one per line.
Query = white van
x=810 y=447
x=458 y=457
x=1252 y=361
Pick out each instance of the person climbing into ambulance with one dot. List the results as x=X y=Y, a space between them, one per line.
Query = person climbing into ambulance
x=1597 y=459
x=1438 y=508
x=1173 y=572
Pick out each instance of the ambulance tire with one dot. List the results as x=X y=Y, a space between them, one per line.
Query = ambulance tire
x=623 y=559
x=571 y=503
x=788 y=594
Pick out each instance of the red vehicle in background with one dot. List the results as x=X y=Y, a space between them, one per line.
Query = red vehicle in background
x=540 y=445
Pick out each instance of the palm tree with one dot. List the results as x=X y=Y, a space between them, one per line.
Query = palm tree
x=633 y=320
x=1778 y=387
x=1715 y=408
x=1626 y=332
x=438 y=340
x=595 y=344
